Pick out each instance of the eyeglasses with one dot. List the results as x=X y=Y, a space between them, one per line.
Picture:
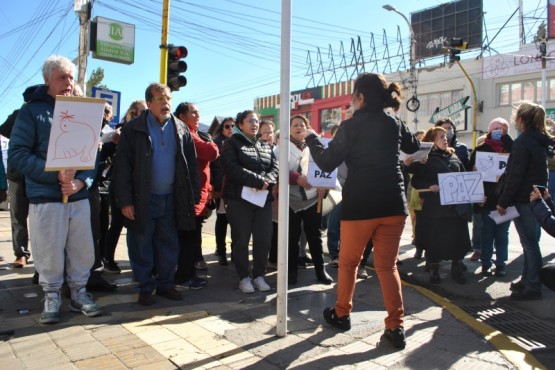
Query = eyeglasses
x=253 y=120
x=162 y=99
x=229 y=126
x=107 y=111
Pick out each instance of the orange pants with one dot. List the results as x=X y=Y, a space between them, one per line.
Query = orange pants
x=385 y=232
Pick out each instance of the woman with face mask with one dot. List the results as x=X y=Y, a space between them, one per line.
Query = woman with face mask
x=497 y=140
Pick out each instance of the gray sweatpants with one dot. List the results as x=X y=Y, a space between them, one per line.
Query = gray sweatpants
x=61 y=237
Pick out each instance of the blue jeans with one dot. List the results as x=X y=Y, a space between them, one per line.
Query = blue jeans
x=527 y=228
x=155 y=247
x=551 y=183
x=494 y=234
x=477 y=230
x=334 y=222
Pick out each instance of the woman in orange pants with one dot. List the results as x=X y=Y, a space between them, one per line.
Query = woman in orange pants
x=374 y=201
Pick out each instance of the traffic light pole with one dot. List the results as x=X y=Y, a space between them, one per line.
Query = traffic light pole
x=475 y=105
x=164 y=42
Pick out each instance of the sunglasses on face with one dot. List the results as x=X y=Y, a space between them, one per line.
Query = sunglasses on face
x=229 y=126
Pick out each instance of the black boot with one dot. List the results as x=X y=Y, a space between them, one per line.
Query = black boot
x=323 y=276
x=434 y=273
x=418 y=253
x=458 y=270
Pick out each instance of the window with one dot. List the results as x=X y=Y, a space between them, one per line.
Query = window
x=513 y=92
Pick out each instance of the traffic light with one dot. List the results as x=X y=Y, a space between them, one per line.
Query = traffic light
x=457 y=44
x=176 y=66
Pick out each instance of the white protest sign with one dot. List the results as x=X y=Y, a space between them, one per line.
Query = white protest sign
x=420 y=155
x=318 y=178
x=75 y=133
x=491 y=165
x=460 y=187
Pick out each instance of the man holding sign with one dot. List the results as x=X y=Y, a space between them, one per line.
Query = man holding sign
x=61 y=235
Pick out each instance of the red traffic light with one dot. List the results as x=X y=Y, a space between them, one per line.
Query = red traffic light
x=176 y=66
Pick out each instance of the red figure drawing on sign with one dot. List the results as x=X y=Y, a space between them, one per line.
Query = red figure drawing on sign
x=76 y=138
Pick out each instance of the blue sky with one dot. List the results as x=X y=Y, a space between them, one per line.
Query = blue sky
x=234 y=45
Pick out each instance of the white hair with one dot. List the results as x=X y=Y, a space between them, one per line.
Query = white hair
x=56 y=62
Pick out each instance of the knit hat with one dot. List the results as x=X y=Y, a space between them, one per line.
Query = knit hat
x=498 y=123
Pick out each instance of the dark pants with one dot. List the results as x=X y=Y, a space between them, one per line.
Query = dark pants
x=114 y=231
x=273 y=247
x=220 y=229
x=311 y=221
x=96 y=269
x=19 y=210
x=247 y=219
x=155 y=247
x=189 y=243
x=104 y=222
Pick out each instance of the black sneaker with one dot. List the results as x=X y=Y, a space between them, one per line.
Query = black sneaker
x=101 y=285
x=396 y=336
x=112 y=267
x=342 y=323
x=500 y=271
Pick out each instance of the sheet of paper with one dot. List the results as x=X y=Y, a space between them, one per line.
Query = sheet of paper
x=420 y=155
x=255 y=196
x=511 y=214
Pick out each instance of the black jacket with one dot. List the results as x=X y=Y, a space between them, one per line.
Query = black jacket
x=216 y=170
x=527 y=166
x=543 y=210
x=425 y=175
x=247 y=163
x=369 y=143
x=132 y=173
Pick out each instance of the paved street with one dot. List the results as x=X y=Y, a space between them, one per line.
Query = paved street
x=448 y=326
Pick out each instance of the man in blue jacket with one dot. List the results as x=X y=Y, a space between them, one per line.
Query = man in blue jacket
x=63 y=229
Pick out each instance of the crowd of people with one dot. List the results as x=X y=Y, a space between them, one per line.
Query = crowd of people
x=161 y=177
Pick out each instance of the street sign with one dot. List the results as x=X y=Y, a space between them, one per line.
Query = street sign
x=113 y=97
x=113 y=40
x=455 y=111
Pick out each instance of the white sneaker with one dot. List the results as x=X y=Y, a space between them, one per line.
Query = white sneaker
x=51 y=312
x=260 y=284
x=362 y=273
x=245 y=285
x=334 y=262
x=81 y=301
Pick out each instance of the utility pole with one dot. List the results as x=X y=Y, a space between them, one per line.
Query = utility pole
x=83 y=9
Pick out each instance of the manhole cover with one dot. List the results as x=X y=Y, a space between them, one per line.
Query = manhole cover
x=528 y=331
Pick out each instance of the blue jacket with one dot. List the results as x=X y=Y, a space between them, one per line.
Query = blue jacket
x=28 y=148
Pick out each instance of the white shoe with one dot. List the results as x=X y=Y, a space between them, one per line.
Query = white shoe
x=51 y=312
x=245 y=285
x=260 y=284
x=362 y=273
x=81 y=301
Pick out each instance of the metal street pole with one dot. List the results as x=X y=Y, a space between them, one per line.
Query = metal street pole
x=284 y=144
x=412 y=55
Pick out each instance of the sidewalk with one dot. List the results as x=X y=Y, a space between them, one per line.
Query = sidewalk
x=219 y=327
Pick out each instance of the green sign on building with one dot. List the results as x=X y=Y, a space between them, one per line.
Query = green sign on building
x=114 y=41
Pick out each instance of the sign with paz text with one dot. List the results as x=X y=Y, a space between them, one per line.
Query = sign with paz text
x=318 y=178
x=491 y=165
x=75 y=133
x=460 y=188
